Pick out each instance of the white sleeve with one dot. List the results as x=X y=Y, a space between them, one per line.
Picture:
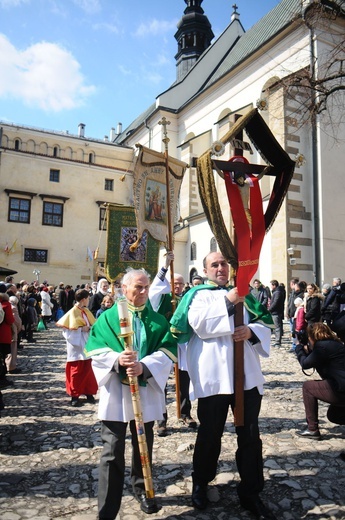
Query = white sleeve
x=208 y=315
x=264 y=336
x=157 y=288
x=102 y=365
x=159 y=366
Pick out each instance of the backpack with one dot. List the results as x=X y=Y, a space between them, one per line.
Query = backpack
x=2 y=314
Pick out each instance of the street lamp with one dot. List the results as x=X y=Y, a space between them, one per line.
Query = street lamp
x=37 y=273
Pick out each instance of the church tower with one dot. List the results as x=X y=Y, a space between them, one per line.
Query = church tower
x=194 y=35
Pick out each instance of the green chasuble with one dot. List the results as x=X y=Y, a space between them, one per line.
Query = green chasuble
x=165 y=305
x=181 y=329
x=105 y=335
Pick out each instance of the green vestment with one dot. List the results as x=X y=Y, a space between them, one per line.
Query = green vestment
x=181 y=329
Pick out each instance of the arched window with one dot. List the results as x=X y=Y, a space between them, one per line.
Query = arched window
x=213 y=245
x=91 y=158
x=193 y=251
x=16 y=144
x=55 y=151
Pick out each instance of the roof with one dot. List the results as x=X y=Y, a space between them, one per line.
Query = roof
x=261 y=33
x=137 y=122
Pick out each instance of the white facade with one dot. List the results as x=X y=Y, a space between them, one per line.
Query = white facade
x=52 y=189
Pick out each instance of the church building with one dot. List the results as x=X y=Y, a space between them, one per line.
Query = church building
x=272 y=67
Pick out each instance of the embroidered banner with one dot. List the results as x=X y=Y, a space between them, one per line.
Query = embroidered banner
x=245 y=200
x=121 y=234
x=150 y=192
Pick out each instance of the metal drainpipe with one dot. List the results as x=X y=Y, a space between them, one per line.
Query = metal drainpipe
x=149 y=129
x=315 y=167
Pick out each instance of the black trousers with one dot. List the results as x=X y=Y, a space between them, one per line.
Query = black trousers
x=185 y=403
x=112 y=465
x=212 y=414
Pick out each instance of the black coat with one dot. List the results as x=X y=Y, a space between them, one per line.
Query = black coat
x=313 y=308
x=291 y=307
x=277 y=301
x=95 y=302
x=261 y=295
x=328 y=358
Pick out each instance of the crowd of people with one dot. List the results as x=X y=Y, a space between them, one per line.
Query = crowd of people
x=28 y=307
x=191 y=325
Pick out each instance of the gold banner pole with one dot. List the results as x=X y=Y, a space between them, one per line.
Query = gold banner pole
x=170 y=246
x=127 y=335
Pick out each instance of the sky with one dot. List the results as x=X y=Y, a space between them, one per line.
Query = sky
x=97 y=62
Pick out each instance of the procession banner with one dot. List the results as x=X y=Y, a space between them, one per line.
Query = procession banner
x=150 y=192
x=121 y=234
x=244 y=256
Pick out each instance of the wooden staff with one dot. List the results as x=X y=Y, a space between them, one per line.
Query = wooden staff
x=127 y=335
x=239 y=369
x=166 y=140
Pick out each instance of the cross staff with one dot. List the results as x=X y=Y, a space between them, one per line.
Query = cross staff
x=278 y=164
x=166 y=140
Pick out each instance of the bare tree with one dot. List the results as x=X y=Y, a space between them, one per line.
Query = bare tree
x=319 y=89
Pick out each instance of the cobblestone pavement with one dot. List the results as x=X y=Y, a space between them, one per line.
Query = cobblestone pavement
x=49 y=452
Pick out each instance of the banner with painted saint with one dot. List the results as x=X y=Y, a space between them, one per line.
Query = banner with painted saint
x=150 y=192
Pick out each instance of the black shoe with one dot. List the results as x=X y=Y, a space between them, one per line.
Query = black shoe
x=199 y=496
x=90 y=399
x=190 y=422
x=15 y=371
x=316 y=435
x=258 y=508
x=75 y=402
x=162 y=431
x=4 y=383
x=148 y=505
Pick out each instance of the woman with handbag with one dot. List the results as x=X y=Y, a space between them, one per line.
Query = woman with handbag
x=325 y=353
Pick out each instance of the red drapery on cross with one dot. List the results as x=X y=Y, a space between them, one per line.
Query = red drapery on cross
x=249 y=237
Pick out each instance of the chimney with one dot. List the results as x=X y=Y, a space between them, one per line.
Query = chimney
x=81 y=130
x=112 y=134
x=119 y=128
x=106 y=138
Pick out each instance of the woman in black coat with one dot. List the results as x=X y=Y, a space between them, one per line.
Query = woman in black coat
x=325 y=352
x=313 y=303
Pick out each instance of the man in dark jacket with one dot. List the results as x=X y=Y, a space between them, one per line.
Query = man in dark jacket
x=277 y=310
x=259 y=292
x=332 y=304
